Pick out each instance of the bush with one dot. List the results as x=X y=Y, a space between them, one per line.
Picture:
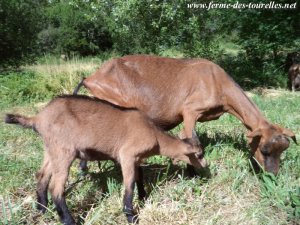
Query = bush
x=20 y=87
x=73 y=28
x=250 y=73
x=19 y=25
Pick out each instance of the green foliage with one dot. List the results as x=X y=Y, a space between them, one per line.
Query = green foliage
x=20 y=87
x=142 y=26
x=265 y=36
x=262 y=37
x=263 y=33
x=249 y=74
x=154 y=26
x=295 y=201
x=19 y=25
x=73 y=27
x=271 y=188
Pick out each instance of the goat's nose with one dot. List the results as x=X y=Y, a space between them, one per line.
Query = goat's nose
x=203 y=163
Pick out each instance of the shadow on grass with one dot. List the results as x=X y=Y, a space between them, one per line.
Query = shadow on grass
x=237 y=139
x=154 y=174
x=239 y=143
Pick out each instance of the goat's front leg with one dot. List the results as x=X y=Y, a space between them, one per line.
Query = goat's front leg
x=129 y=172
x=189 y=122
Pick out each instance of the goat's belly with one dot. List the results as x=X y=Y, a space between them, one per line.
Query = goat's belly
x=167 y=124
x=212 y=114
x=92 y=155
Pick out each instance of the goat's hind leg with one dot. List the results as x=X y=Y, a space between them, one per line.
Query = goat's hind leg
x=61 y=166
x=43 y=178
x=129 y=172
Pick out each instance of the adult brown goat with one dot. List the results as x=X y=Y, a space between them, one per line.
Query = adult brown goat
x=81 y=127
x=171 y=90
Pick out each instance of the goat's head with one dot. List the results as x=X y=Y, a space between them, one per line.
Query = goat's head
x=267 y=144
x=193 y=153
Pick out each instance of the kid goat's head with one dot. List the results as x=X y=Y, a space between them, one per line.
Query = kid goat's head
x=193 y=153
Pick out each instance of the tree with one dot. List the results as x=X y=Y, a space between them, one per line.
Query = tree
x=19 y=25
x=73 y=27
x=265 y=37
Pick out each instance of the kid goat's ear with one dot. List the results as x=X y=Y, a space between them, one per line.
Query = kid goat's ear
x=190 y=149
x=195 y=138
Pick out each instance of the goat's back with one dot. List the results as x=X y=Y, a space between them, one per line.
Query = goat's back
x=159 y=86
x=80 y=122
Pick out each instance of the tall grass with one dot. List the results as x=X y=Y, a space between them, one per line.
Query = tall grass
x=229 y=193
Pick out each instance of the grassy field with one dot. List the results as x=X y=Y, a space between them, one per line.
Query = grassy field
x=229 y=193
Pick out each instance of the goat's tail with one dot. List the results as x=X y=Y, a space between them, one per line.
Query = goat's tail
x=27 y=122
x=78 y=87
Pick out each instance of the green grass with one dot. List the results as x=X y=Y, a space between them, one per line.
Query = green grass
x=230 y=194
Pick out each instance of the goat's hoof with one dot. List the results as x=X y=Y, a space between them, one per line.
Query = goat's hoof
x=41 y=208
x=68 y=221
x=133 y=219
x=131 y=216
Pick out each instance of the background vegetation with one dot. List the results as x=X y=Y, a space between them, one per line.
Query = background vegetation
x=251 y=45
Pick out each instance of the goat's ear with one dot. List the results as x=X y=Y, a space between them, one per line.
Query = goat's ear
x=255 y=133
x=193 y=142
x=189 y=149
x=194 y=134
x=195 y=138
x=290 y=134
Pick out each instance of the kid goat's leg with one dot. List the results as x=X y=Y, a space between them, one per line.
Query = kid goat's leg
x=60 y=171
x=140 y=183
x=43 y=178
x=129 y=174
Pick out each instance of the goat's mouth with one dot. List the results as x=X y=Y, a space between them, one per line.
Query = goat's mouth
x=203 y=163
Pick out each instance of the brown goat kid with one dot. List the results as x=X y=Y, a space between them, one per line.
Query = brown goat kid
x=171 y=91
x=81 y=127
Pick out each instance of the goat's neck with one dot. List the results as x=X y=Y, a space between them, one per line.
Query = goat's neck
x=242 y=107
